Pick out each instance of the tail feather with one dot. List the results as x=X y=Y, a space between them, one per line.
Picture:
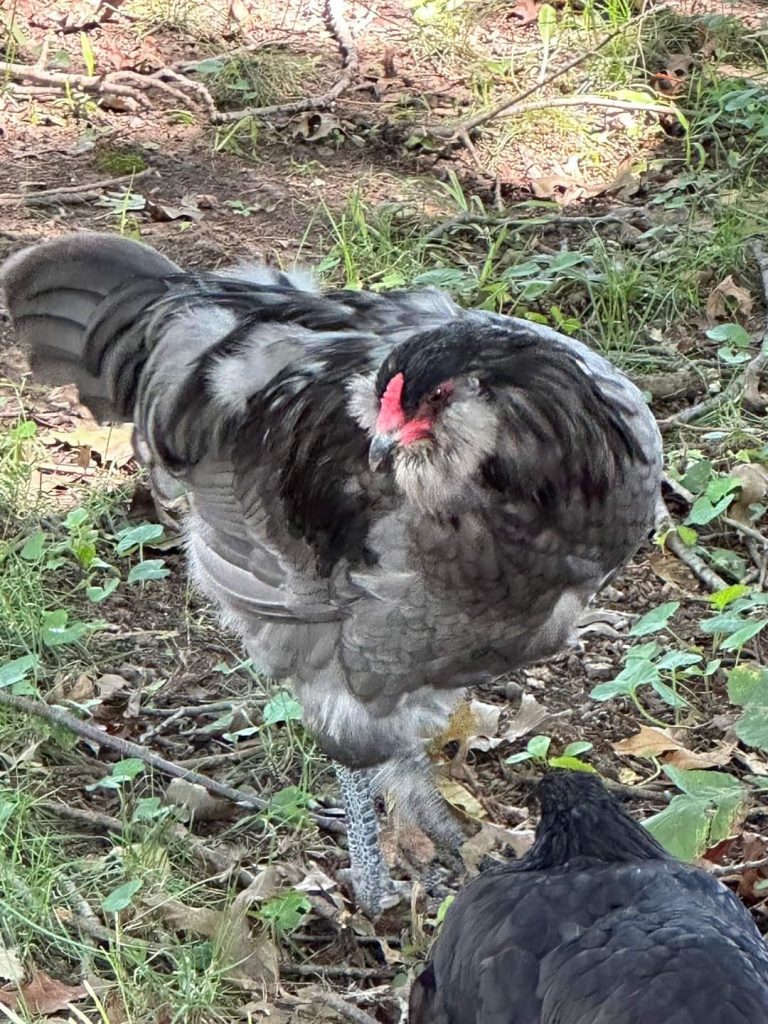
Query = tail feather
x=74 y=303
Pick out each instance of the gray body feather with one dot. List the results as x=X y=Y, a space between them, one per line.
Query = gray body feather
x=379 y=596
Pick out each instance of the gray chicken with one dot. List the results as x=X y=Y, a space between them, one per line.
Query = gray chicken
x=393 y=498
x=595 y=925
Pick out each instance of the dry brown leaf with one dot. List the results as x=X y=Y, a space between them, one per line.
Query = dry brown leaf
x=251 y=958
x=754 y=488
x=672 y=570
x=43 y=994
x=727 y=298
x=493 y=837
x=110 y=684
x=649 y=742
x=198 y=801
x=460 y=798
x=690 y=759
x=112 y=444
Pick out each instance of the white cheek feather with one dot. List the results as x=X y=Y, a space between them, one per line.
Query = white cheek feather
x=437 y=475
x=362 y=402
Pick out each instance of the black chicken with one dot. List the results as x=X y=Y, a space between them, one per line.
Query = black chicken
x=595 y=925
x=392 y=498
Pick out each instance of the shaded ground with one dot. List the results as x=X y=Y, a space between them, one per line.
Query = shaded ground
x=376 y=190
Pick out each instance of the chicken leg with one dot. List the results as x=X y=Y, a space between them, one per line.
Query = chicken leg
x=369 y=874
x=417 y=801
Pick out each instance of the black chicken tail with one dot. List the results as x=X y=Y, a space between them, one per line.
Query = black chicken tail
x=76 y=304
x=580 y=818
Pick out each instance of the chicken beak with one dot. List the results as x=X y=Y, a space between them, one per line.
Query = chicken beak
x=380 y=452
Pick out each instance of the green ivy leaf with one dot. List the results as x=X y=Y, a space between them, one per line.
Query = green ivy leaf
x=576 y=748
x=13 y=672
x=121 y=897
x=538 y=747
x=56 y=632
x=737 y=640
x=655 y=620
x=135 y=536
x=748 y=684
x=149 y=569
x=572 y=764
x=283 y=707
x=682 y=828
x=752 y=727
x=728 y=595
x=33 y=547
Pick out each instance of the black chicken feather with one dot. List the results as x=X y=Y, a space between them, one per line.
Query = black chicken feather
x=595 y=925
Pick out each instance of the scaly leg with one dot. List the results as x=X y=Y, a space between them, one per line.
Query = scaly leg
x=368 y=872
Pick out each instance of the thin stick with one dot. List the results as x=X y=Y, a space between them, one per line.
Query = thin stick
x=741 y=383
x=514 y=101
x=29 y=198
x=341 y=1006
x=334 y=13
x=126 y=748
x=725 y=870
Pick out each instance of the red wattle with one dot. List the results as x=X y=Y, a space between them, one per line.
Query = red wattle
x=415 y=430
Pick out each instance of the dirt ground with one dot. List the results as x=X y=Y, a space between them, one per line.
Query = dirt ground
x=207 y=201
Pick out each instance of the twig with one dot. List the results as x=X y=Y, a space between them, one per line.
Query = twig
x=336 y=971
x=64 y=191
x=748 y=531
x=217 y=860
x=341 y=1006
x=126 y=748
x=697 y=565
x=515 y=101
x=555 y=219
x=725 y=870
x=741 y=385
x=334 y=13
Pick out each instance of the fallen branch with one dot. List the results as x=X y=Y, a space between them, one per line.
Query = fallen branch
x=57 y=715
x=726 y=870
x=742 y=385
x=620 y=216
x=513 y=105
x=697 y=565
x=131 y=87
x=216 y=860
x=48 y=195
x=334 y=13
x=341 y=1006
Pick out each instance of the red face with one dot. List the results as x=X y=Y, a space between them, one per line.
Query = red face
x=393 y=420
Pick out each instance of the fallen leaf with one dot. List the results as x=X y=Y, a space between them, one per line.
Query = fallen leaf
x=186 y=209
x=110 y=684
x=727 y=298
x=491 y=838
x=460 y=798
x=251 y=959
x=112 y=444
x=10 y=966
x=754 y=488
x=692 y=759
x=649 y=742
x=672 y=570
x=196 y=799
x=530 y=715
x=313 y=126
x=43 y=994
